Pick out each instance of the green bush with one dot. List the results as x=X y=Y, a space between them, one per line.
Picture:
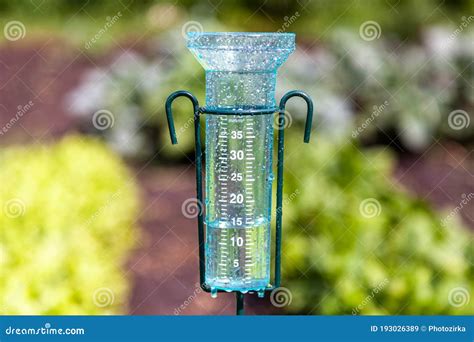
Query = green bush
x=372 y=91
x=134 y=89
x=66 y=226
x=355 y=243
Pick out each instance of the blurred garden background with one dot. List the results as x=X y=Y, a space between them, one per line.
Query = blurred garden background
x=378 y=208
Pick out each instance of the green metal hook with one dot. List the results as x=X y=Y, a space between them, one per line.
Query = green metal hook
x=309 y=111
x=169 y=114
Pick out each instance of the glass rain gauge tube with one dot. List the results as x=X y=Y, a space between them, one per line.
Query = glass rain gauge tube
x=241 y=69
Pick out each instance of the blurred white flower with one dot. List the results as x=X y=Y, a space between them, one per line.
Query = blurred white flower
x=364 y=56
x=125 y=137
x=336 y=116
x=439 y=42
x=90 y=95
x=465 y=47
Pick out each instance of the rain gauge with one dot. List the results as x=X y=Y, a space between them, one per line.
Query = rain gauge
x=234 y=227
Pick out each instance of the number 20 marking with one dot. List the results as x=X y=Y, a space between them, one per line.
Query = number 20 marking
x=236 y=198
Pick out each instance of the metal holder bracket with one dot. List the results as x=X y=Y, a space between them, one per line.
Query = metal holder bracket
x=198 y=111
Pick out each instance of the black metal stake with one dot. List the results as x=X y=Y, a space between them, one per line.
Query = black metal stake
x=239 y=297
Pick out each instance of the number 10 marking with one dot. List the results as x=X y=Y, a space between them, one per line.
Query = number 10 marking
x=239 y=241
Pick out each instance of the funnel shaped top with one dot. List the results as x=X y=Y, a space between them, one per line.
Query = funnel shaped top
x=241 y=51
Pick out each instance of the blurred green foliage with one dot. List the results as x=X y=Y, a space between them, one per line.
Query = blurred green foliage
x=78 y=21
x=134 y=88
x=383 y=90
x=354 y=243
x=66 y=227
